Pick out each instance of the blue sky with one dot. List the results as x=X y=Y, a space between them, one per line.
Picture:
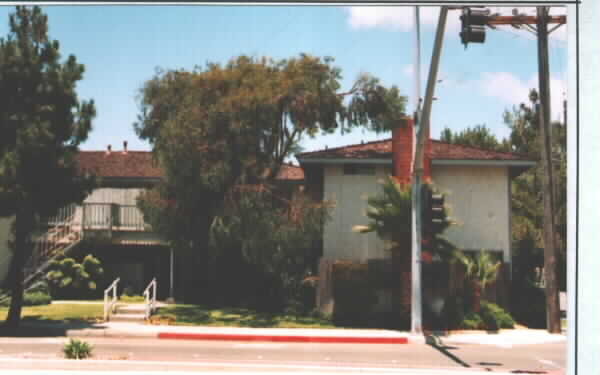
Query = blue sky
x=121 y=47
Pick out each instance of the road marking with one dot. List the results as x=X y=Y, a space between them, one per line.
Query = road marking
x=549 y=363
x=347 y=369
x=258 y=345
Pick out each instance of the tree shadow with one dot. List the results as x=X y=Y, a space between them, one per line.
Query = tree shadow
x=35 y=326
x=435 y=342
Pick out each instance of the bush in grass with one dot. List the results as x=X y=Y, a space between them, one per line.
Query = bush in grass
x=454 y=311
x=472 y=321
x=69 y=279
x=353 y=295
x=36 y=299
x=490 y=317
x=495 y=317
x=36 y=295
x=529 y=306
x=77 y=349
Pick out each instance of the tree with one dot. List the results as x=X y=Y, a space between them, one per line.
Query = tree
x=267 y=240
x=479 y=136
x=218 y=127
x=42 y=123
x=480 y=271
x=390 y=217
x=527 y=204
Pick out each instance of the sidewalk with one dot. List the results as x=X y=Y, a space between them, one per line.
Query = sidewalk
x=505 y=338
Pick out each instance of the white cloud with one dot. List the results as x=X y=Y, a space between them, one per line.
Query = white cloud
x=512 y=91
x=399 y=18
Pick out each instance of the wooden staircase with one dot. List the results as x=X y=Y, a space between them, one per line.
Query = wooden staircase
x=63 y=234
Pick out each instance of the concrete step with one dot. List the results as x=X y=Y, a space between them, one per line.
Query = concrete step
x=127 y=317
x=131 y=309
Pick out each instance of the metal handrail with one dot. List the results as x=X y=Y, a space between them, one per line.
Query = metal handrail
x=109 y=306
x=150 y=300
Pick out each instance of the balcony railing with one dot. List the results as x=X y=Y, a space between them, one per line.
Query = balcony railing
x=101 y=216
x=108 y=216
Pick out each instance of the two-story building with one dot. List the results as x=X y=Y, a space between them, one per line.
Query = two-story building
x=109 y=225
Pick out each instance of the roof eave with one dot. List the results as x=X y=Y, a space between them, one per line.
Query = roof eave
x=484 y=162
x=343 y=161
x=458 y=162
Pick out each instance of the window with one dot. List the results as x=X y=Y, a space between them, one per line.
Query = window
x=359 y=170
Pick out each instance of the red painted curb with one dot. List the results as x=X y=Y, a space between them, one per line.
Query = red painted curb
x=280 y=338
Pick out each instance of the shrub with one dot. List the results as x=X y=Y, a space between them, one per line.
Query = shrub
x=69 y=279
x=529 y=306
x=353 y=295
x=36 y=295
x=77 y=349
x=472 y=321
x=454 y=311
x=490 y=317
x=36 y=298
x=495 y=317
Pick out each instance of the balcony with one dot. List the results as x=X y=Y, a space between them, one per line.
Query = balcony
x=112 y=217
x=94 y=217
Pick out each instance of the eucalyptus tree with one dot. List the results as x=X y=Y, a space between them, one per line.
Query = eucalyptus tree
x=221 y=126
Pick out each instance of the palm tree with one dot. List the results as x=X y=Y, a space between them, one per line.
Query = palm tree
x=391 y=218
x=480 y=271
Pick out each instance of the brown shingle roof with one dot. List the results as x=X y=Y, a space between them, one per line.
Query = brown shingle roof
x=139 y=164
x=383 y=150
x=132 y=164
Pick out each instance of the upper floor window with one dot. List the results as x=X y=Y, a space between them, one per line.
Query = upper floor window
x=359 y=170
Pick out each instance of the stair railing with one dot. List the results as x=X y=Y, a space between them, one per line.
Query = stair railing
x=109 y=304
x=150 y=298
x=60 y=235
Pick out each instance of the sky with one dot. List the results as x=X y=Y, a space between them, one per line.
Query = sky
x=122 y=46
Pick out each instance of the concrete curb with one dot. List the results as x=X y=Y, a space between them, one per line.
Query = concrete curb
x=107 y=332
x=248 y=337
x=285 y=338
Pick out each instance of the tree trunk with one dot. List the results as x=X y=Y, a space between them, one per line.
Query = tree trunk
x=476 y=286
x=404 y=261
x=22 y=229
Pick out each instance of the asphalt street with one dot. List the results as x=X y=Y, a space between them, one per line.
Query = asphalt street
x=172 y=355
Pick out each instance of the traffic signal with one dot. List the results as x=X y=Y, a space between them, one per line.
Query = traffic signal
x=438 y=217
x=473 y=25
x=433 y=214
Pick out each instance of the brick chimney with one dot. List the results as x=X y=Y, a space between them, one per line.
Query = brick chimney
x=402 y=152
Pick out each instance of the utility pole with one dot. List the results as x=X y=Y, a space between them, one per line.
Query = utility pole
x=422 y=134
x=472 y=32
x=415 y=311
x=550 y=265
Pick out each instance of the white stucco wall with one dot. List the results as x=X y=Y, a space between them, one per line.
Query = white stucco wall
x=5 y=253
x=349 y=193
x=477 y=197
x=125 y=196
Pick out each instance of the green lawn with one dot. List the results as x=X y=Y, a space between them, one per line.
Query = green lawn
x=235 y=317
x=59 y=312
x=174 y=314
